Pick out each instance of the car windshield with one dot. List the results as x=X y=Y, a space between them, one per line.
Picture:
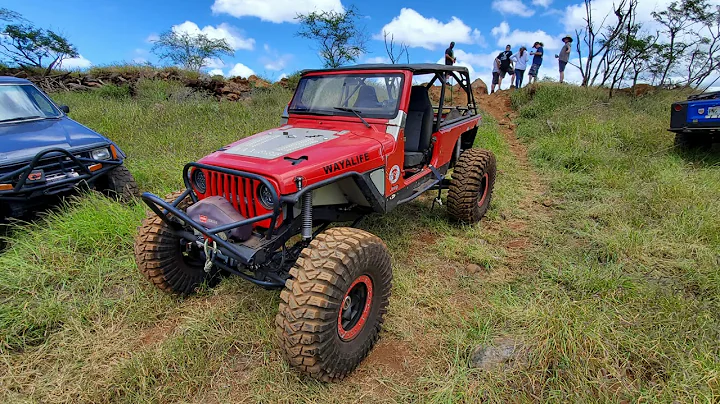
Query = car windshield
x=369 y=95
x=24 y=101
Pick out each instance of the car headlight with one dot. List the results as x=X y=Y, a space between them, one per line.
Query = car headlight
x=198 y=179
x=101 y=154
x=265 y=196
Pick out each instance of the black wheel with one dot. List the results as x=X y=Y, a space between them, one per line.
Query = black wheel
x=170 y=263
x=472 y=184
x=687 y=141
x=333 y=307
x=119 y=183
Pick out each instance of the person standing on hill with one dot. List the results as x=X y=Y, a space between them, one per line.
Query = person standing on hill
x=536 y=62
x=520 y=59
x=505 y=66
x=495 y=76
x=450 y=55
x=564 y=56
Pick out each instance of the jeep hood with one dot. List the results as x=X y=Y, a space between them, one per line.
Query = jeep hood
x=22 y=140
x=289 y=151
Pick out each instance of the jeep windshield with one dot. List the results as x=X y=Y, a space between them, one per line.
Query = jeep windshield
x=24 y=102
x=365 y=95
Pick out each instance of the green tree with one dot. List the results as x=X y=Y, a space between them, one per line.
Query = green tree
x=339 y=39
x=27 y=46
x=191 y=51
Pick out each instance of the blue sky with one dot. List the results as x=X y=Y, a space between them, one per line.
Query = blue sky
x=263 y=33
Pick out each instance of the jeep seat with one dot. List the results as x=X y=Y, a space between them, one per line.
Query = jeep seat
x=418 y=127
x=367 y=98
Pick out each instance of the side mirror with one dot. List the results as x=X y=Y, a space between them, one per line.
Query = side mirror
x=65 y=109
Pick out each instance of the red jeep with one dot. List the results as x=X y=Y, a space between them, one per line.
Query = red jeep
x=353 y=141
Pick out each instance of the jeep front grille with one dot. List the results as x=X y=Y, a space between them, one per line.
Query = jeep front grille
x=241 y=192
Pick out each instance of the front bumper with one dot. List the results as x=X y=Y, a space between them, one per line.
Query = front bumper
x=22 y=186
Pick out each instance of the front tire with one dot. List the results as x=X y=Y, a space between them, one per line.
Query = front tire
x=333 y=307
x=119 y=183
x=471 y=188
x=164 y=261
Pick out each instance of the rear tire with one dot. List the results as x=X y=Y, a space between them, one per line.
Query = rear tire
x=119 y=183
x=686 y=141
x=332 y=308
x=161 y=258
x=471 y=188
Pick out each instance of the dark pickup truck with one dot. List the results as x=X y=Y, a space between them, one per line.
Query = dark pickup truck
x=44 y=153
x=696 y=121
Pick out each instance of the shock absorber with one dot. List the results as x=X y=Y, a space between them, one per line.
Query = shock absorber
x=307 y=219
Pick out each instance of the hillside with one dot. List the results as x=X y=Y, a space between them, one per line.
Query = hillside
x=594 y=277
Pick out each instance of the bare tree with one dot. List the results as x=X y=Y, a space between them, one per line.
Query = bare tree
x=598 y=39
x=339 y=38
x=395 y=54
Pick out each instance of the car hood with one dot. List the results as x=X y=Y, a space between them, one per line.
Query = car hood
x=312 y=153
x=23 y=140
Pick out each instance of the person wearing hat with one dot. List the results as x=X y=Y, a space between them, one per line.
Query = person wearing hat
x=564 y=56
x=536 y=62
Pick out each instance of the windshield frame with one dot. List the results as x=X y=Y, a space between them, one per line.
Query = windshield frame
x=334 y=112
x=58 y=112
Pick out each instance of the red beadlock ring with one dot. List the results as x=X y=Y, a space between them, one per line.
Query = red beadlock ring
x=347 y=335
x=485 y=190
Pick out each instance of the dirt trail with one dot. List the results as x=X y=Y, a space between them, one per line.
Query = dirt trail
x=533 y=203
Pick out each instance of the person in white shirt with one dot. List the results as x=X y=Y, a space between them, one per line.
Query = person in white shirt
x=495 y=76
x=520 y=59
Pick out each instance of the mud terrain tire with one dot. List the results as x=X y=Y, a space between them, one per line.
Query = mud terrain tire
x=119 y=183
x=333 y=306
x=471 y=188
x=160 y=258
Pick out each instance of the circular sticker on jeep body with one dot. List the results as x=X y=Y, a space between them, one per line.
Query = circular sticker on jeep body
x=394 y=174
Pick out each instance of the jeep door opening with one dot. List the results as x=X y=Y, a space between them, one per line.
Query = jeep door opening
x=352 y=141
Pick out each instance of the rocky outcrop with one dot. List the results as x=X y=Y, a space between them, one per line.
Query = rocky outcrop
x=232 y=89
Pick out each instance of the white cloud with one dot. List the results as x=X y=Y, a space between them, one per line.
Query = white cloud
x=377 y=59
x=517 y=38
x=273 y=60
x=215 y=63
x=223 y=31
x=542 y=3
x=282 y=76
x=76 y=63
x=411 y=28
x=152 y=38
x=276 y=11
x=216 y=72
x=512 y=7
x=240 y=70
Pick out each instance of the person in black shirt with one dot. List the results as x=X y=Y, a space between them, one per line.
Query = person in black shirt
x=504 y=64
x=450 y=55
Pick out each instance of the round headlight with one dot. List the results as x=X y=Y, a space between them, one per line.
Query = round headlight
x=265 y=196
x=198 y=179
x=101 y=154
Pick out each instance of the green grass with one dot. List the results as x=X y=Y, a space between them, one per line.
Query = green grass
x=614 y=296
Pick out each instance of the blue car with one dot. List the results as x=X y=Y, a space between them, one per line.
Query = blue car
x=696 y=122
x=44 y=153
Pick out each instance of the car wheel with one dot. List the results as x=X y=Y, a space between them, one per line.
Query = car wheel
x=471 y=188
x=333 y=307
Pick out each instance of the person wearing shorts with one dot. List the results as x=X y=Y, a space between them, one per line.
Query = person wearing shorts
x=504 y=63
x=564 y=56
x=495 y=76
x=536 y=62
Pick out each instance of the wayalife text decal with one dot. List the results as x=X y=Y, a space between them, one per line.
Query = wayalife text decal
x=347 y=163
